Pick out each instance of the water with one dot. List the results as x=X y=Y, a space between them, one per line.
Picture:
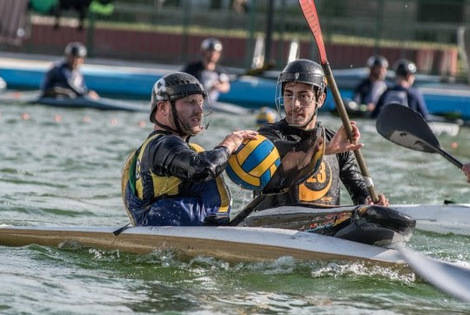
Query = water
x=62 y=167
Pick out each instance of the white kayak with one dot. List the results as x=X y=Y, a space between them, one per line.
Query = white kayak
x=227 y=243
x=443 y=219
x=450 y=218
x=234 y=244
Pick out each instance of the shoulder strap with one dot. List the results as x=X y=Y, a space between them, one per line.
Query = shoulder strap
x=128 y=173
x=128 y=170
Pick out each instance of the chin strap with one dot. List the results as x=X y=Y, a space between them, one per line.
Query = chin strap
x=176 y=120
x=165 y=127
x=178 y=129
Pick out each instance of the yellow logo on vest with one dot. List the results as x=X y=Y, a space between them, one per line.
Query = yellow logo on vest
x=316 y=186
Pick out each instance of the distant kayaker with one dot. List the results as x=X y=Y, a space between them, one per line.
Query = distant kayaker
x=301 y=92
x=170 y=181
x=64 y=78
x=403 y=92
x=369 y=90
x=208 y=71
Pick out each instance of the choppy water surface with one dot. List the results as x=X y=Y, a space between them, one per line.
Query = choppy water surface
x=62 y=167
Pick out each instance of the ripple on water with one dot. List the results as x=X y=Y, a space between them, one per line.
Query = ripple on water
x=68 y=173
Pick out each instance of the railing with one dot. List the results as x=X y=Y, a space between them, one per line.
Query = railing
x=375 y=24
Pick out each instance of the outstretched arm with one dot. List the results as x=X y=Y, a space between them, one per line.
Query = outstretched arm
x=340 y=142
x=235 y=139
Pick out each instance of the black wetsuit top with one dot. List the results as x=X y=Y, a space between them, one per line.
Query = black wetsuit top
x=323 y=187
x=172 y=182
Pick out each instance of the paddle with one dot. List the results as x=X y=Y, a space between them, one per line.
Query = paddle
x=296 y=166
x=122 y=229
x=403 y=126
x=310 y=13
x=258 y=71
x=449 y=278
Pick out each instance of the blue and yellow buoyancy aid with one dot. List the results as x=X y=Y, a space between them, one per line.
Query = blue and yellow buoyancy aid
x=159 y=200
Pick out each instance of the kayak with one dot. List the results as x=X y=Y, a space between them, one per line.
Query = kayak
x=267 y=234
x=440 y=125
x=33 y=98
x=442 y=219
x=3 y=85
x=240 y=244
x=232 y=244
x=87 y=102
x=294 y=227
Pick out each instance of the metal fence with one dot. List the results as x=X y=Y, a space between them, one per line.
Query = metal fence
x=381 y=23
x=432 y=21
x=370 y=23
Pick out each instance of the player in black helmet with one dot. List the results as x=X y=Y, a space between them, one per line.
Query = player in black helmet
x=208 y=71
x=369 y=90
x=301 y=92
x=168 y=180
x=64 y=79
x=403 y=92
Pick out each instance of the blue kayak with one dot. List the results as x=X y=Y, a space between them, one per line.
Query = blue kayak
x=31 y=97
x=87 y=102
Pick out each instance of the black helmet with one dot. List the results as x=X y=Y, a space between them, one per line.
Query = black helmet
x=377 y=60
x=211 y=44
x=76 y=49
x=303 y=71
x=172 y=87
x=404 y=67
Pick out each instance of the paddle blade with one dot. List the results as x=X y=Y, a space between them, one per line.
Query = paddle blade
x=449 y=278
x=309 y=11
x=403 y=126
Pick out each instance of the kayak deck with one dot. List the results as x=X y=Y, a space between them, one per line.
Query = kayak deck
x=227 y=243
x=443 y=219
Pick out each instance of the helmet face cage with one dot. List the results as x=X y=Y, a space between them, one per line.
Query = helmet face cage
x=315 y=79
x=175 y=86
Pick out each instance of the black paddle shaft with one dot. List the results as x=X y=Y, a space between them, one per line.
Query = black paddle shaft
x=404 y=126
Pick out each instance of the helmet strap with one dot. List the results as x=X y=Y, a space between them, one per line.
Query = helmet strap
x=175 y=120
x=159 y=124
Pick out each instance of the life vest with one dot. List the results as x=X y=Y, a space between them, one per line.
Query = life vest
x=322 y=187
x=151 y=199
x=396 y=96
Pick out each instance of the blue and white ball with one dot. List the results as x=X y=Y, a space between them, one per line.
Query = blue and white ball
x=253 y=165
